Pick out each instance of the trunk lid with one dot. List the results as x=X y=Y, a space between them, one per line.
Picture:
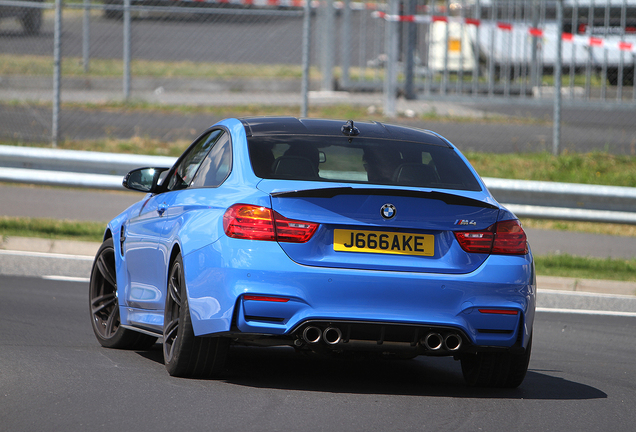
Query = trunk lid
x=382 y=228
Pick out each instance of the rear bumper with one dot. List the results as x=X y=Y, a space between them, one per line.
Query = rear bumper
x=220 y=275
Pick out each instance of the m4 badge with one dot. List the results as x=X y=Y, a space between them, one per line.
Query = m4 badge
x=465 y=222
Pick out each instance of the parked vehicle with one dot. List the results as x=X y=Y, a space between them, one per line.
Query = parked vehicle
x=613 y=21
x=323 y=235
x=29 y=17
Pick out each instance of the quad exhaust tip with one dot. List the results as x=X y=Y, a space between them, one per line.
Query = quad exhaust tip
x=332 y=335
x=433 y=341
x=312 y=334
x=453 y=342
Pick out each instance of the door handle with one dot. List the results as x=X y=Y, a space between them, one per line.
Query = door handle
x=162 y=209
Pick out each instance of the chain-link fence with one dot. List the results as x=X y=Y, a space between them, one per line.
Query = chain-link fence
x=494 y=56
x=115 y=55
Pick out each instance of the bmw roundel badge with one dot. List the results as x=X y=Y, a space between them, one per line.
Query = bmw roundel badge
x=388 y=211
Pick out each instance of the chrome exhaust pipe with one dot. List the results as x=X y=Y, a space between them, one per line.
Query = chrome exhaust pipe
x=312 y=334
x=433 y=341
x=453 y=342
x=332 y=335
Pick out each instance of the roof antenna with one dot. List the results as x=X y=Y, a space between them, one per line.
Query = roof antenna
x=349 y=129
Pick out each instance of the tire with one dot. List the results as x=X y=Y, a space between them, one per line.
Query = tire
x=628 y=76
x=32 y=21
x=186 y=355
x=496 y=369
x=104 y=306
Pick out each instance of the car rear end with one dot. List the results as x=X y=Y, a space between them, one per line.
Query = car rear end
x=370 y=237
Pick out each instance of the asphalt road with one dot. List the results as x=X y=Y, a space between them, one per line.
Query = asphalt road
x=225 y=39
x=55 y=376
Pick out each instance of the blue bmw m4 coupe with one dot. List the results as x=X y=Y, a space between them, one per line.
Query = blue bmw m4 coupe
x=322 y=235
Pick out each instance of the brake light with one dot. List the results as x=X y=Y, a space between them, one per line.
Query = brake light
x=261 y=223
x=502 y=238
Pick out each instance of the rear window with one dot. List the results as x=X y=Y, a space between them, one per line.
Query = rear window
x=359 y=160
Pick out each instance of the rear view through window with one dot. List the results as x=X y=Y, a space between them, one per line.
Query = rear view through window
x=359 y=160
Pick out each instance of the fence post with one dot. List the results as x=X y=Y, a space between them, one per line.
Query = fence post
x=346 y=43
x=446 y=42
x=328 y=44
x=391 y=48
x=57 y=70
x=86 y=35
x=556 y=137
x=304 y=90
x=621 y=60
x=411 y=46
x=534 y=64
x=476 y=49
x=127 y=48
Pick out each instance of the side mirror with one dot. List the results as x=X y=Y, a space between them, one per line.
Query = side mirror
x=143 y=179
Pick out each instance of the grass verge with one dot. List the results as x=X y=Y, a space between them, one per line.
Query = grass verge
x=51 y=229
x=33 y=65
x=585 y=227
x=586 y=268
x=589 y=168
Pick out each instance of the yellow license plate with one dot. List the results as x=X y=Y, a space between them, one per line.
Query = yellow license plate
x=384 y=242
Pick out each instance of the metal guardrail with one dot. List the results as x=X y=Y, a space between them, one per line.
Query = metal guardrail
x=530 y=199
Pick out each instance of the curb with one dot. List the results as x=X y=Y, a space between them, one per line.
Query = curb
x=64 y=247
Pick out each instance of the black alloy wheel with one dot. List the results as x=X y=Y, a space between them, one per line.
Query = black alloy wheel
x=186 y=355
x=104 y=305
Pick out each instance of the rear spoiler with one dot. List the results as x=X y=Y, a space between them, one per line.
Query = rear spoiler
x=448 y=198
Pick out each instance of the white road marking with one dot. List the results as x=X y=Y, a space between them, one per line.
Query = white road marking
x=66 y=278
x=47 y=255
x=586 y=312
x=584 y=294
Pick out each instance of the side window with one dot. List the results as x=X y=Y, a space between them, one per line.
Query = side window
x=188 y=166
x=217 y=164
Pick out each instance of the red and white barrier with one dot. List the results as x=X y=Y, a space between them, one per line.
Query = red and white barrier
x=288 y=3
x=503 y=26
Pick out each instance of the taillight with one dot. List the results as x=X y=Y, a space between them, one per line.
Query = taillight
x=476 y=241
x=502 y=238
x=249 y=222
x=261 y=223
x=293 y=231
x=510 y=239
